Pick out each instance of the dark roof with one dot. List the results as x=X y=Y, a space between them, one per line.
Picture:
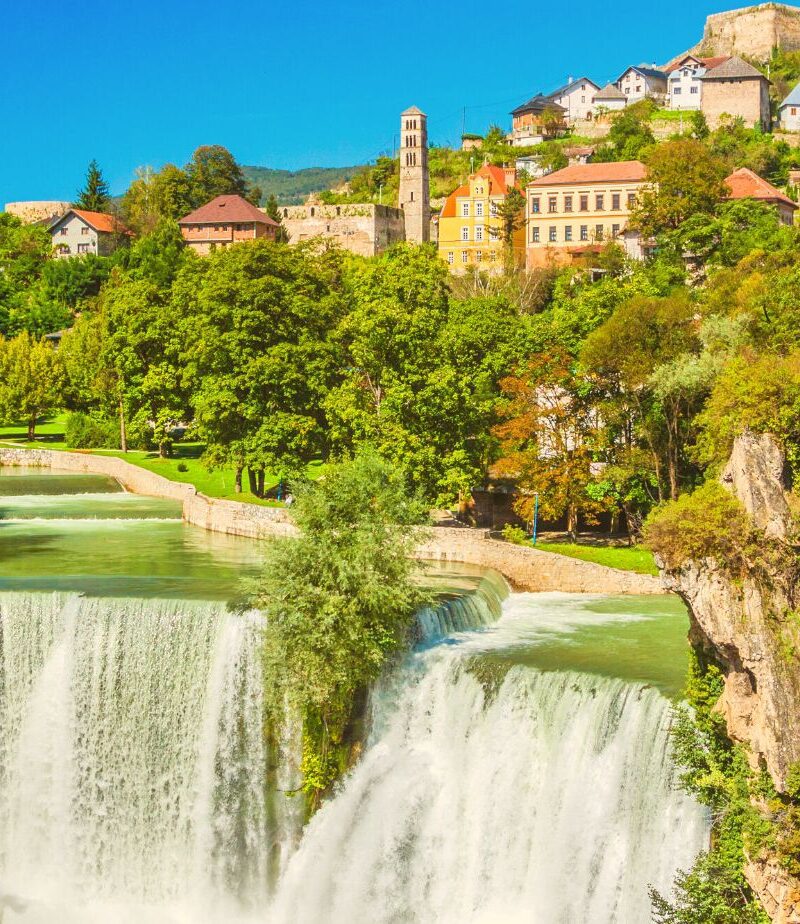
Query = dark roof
x=733 y=69
x=610 y=91
x=226 y=209
x=645 y=72
x=562 y=90
x=537 y=103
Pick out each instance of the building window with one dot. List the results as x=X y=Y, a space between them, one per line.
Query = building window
x=479 y=209
x=693 y=89
x=84 y=230
x=450 y=258
x=64 y=232
x=534 y=235
x=313 y=212
x=479 y=232
x=676 y=91
x=567 y=203
x=627 y=90
x=631 y=200
x=63 y=248
x=584 y=203
x=552 y=204
x=83 y=248
x=615 y=205
x=286 y=213
x=598 y=232
x=465 y=234
x=568 y=233
x=535 y=205
x=553 y=233
x=465 y=209
x=492 y=254
x=615 y=231
x=493 y=209
x=793 y=110
x=584 y=232
x=599 y=202
x=464 y=256
x=478 y=256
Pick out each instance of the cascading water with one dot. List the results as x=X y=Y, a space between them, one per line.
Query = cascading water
x=496 y=793
x=134 y=769
x=136 y=786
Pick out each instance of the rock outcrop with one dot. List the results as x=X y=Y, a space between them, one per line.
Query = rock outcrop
x=752 y=31
x=748 y=624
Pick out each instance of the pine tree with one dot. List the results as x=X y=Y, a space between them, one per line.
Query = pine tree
x=95 y=194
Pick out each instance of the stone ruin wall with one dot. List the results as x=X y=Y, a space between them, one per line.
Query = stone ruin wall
x=364 y=229
x=752 y=31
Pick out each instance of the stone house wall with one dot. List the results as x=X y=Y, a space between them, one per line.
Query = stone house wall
x=752 y=31
x=748 y=98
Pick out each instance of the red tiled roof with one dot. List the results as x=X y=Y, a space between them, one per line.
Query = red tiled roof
x=226 y=209
x=624 y=171
x=497 y=187
x=744 y=184
x=101 y=221
x=707 y=63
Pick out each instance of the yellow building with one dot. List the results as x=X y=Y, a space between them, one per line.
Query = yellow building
x=575 y=211
x=470 y=224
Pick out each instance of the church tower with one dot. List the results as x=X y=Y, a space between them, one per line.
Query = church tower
x=414 y=196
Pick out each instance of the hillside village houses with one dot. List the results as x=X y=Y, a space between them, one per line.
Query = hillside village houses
x=576 y=98
x=643 y=82
x=685 y=85
x=744 y=184
x=470 y=222
x=534 y=120
x=223 y=221
x=789 y=111
x=78 y=232
x=575 y=211
x=734 y=89
x=610 y=98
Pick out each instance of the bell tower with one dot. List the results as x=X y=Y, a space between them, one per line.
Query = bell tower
x=414 y=195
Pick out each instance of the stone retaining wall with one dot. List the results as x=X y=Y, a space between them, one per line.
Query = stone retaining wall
x=525 y=568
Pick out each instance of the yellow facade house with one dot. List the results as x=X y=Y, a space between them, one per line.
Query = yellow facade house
x=470 y=223
x=575 y=211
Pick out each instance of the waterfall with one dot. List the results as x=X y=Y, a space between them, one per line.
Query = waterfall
x=492 y=794
x=133 y=766
x=136 y=786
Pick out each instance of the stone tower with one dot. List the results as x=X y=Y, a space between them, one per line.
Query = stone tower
x=414 y=196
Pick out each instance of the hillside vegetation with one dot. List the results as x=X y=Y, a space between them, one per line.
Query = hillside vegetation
x=291 y=187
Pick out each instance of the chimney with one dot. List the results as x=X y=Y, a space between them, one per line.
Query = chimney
x=510 y=175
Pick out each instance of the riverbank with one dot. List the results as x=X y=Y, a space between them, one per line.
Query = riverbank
x=524 y=568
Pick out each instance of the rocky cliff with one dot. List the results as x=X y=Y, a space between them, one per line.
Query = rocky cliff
x=751 y=31
x=747 y=621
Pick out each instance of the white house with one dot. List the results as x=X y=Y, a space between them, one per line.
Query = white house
x=789 y=111
x=79 y=232
x=576 y=98
x=640 y=82
x=685 y=87
x=610 y=98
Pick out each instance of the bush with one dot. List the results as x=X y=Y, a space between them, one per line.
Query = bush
x=182 y=467
x=85 y=431
x=515 y=534
x=709 y=523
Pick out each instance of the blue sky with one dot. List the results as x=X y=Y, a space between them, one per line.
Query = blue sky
x=134 y=82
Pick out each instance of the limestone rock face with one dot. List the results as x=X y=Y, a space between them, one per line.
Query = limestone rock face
x=748 y=625
x=752 y=31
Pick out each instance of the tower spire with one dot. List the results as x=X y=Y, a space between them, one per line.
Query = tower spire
x=414 y=183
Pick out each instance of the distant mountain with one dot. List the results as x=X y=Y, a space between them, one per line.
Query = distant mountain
x=291 y=187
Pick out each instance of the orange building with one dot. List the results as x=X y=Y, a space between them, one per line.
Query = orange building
x=470 y=222
x=224 y=221
x=744 y=184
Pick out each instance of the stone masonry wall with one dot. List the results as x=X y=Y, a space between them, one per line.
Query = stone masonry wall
x=364 y=229
x=525 y=568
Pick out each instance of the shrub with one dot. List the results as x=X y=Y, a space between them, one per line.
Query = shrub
x=515 y=534
x=182 y=467
x=709 y=523
x=86 y=431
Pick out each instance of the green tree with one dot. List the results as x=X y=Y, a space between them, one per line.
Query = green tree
x=213 y=171
x=511 y=212
x=684 y=179
x=256 y=324
x=30 y=380
x=95 y=195
x=339 y=600
x=24 y=253
x=274 y=212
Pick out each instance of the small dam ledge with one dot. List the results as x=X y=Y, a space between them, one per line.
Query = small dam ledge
x=526 y=569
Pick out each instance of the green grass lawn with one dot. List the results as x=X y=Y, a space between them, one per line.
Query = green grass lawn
x=672 y=115
x=624 y=558
x=217 y=483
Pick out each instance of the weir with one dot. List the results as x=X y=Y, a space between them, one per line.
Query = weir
x=136 y=784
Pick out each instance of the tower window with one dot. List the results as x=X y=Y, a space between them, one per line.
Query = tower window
x=286 y=213
x=313 y=211
x=412 y=196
